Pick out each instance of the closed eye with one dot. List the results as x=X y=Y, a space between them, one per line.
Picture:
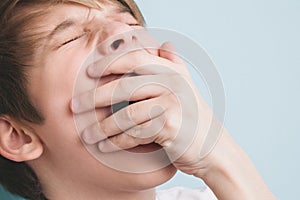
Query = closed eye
x=134 y=24
x=73 y=39
x=80 y=36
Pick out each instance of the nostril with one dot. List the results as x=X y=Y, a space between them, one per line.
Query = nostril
x=116 y=44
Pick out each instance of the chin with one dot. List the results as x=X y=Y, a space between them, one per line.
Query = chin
x=153 y=179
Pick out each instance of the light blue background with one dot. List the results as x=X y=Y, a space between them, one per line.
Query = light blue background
x=256 y=47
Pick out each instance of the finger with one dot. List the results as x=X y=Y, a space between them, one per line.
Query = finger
x=149 y=129
x=125 y=89
x=93 y=134
x=83 y=102
x=148 y=42
x=101 y=67
x=110 y=78
x=168 y=51
x=132 y=116
x=130 y=63
x=123 y=120
x=133 y=89
x=142 y=134
x=118 y=143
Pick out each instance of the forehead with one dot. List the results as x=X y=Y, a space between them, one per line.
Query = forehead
x=49 y=18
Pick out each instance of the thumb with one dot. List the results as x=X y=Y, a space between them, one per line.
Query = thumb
x=168 y=51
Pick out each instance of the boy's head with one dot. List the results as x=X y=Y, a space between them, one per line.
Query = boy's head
x=42 y=45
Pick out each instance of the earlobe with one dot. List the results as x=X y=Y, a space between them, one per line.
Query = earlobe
x=17 y=143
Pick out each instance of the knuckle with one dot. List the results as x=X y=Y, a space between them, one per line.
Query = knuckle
x=121 y=87
x=128 y=141
x=146 y=125
x=131 y=112
x=167 y=135
x=172 y=125
x=115 y=141
x=160 y=126
x=179 y=81
x=103 y=127
x=134 y=132
x=172 y=98
x=157 y=126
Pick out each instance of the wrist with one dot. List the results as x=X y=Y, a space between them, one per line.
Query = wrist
x=230 y=173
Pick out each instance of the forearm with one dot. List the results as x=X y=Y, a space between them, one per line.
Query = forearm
x=232 y=176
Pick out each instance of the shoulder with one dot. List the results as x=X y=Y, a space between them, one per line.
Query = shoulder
x=203 y=193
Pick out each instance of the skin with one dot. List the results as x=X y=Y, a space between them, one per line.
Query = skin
x=55 y=151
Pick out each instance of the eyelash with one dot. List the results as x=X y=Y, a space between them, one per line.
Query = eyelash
x=80 y=36
x=134 y=24
x=73 y=39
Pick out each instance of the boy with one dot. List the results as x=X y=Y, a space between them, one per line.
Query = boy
x=43 y=45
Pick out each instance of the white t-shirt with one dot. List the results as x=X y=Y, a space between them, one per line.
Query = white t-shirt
x=180 y=193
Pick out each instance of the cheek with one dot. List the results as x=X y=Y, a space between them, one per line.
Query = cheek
x=51 y=88
x=51 y=84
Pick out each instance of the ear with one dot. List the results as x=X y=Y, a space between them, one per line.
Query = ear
x=18 y=143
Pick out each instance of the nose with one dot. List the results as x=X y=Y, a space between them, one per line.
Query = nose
x=117 y=43
x=116 y=36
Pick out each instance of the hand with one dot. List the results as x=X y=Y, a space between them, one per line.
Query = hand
x=178 y=120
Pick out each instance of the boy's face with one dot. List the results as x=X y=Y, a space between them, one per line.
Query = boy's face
x=51 y=84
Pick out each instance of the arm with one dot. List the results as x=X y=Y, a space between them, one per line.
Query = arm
x=231 y=175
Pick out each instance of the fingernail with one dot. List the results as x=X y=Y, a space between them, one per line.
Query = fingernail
x=86 y=137
x=107 y=147
x=75 y=105
x=103 y=147
x=91 y=70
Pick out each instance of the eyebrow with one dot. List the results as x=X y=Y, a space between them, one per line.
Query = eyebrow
x=68 y=23
x=63 y=26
